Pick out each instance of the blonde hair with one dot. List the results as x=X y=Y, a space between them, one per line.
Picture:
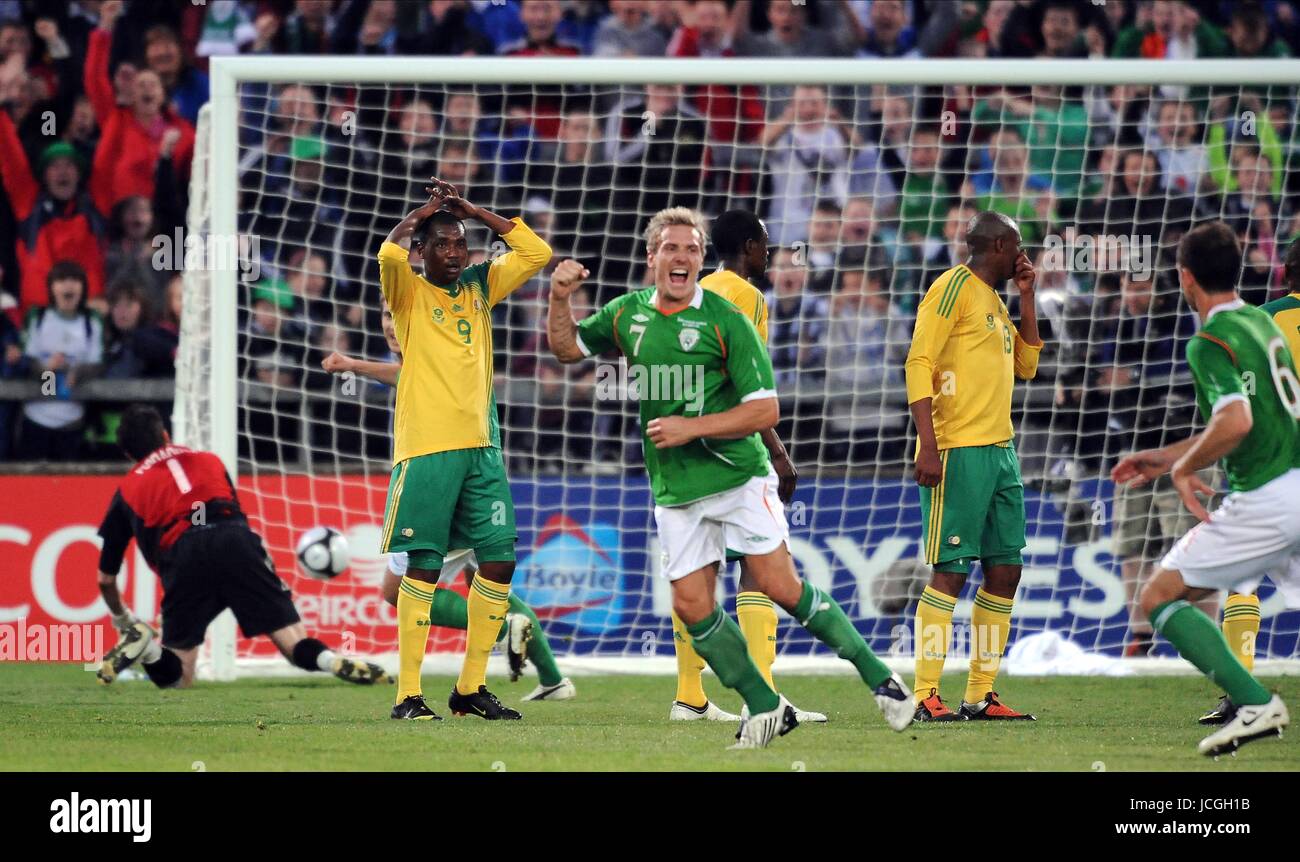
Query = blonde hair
x=674 y=216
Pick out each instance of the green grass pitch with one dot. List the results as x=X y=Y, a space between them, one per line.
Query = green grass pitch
x=55 y=717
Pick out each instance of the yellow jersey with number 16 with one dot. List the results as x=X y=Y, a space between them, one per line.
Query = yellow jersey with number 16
x=966 y=354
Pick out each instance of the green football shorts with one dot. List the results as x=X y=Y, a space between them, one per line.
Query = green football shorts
x=977 y=511
x=445 y=500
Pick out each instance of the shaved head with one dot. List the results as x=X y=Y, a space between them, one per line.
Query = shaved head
x=986 y=228
x=994 y=243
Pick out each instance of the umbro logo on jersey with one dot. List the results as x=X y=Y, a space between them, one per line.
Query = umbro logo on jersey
x=459 y=308
x=756 y=538
x=639 y=317
x=688 y=338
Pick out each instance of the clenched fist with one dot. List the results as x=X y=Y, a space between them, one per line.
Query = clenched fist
x=567 y=278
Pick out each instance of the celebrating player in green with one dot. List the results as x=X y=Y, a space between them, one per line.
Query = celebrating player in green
x=1249 y=395
x=448 y=488
x=706 y=390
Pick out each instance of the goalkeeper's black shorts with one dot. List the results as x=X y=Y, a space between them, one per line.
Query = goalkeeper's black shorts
x=217 y=566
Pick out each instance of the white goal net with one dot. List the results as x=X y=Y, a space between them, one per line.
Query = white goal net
x=865 y=173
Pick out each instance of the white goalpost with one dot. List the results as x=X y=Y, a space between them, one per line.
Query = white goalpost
x=864 y=171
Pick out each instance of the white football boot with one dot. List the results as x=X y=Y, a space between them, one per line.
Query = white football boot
x=895 y=701
x=806 y=716
x=131 y=645
x=519 y=631
x=709 y=712
x=562 y=690
x=757 y=731
x=1250 y=723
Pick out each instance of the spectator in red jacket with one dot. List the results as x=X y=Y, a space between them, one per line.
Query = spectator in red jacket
x=735 y=113
x=541 y=18
x=54 y=220
x=132 y=135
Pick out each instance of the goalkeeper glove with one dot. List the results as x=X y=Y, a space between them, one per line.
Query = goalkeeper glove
x=123 y=621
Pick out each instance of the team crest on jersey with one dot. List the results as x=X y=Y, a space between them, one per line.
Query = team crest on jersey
x=688 y=338
x=988 y=321
x=437 y=315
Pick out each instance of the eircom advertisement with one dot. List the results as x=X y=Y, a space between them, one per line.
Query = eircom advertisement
x=587 y=563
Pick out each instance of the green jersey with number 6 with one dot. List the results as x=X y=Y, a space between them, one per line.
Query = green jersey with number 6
x=1240 y=355
x=706 y=358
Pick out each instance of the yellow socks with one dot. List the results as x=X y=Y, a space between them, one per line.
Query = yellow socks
x=690 y=667
x=487 y=611
x=757 y=617
x=990 y=628
x=413 y=600
x=1240 y=627
x=933 y=634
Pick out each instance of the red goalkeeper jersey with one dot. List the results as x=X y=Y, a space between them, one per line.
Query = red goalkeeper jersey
x=157 y=502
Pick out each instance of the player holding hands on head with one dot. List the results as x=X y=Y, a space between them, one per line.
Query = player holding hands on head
x=448 y=488
x=710 y=474
x=964 y=358
x=1255 y=428
x=521 y=633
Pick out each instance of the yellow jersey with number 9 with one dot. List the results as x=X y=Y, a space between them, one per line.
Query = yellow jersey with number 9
x=444 y=394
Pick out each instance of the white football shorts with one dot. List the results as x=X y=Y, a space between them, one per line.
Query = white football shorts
x=1251 y=534
x=748 y=519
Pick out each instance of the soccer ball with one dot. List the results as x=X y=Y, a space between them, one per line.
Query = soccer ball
x=323 y=553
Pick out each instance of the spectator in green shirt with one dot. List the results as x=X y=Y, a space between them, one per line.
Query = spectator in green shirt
x=1055 y=128
x=1010 y=193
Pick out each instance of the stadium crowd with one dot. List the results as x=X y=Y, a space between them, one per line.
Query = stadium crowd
x=865 y=191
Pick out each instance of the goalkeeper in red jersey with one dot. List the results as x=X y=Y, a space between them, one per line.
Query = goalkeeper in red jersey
x=182 y=510
x=522 y=632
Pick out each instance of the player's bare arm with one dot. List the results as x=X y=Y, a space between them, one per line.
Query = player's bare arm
x=786 y=474
x=383 y=372
x=1141 y=467
x=462 y=209
x=928 y=469
x=561 y=328
x=404 y=229
x=122 y=618
x=740 y=421
x=1024 y=279
x=1226 y=430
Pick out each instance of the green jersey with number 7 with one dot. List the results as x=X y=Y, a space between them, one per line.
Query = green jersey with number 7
x=705 y=358
x=1241 y=355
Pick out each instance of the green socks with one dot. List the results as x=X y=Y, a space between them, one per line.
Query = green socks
x=1199 y=640
x=719 y=642
x=539 y=651
x=450 y=610
x=825 y=620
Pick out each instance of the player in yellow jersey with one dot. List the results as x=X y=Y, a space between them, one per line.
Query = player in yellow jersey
x=1241 y=619
x=964 y=357
x=449 y=488
x=740 y=239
